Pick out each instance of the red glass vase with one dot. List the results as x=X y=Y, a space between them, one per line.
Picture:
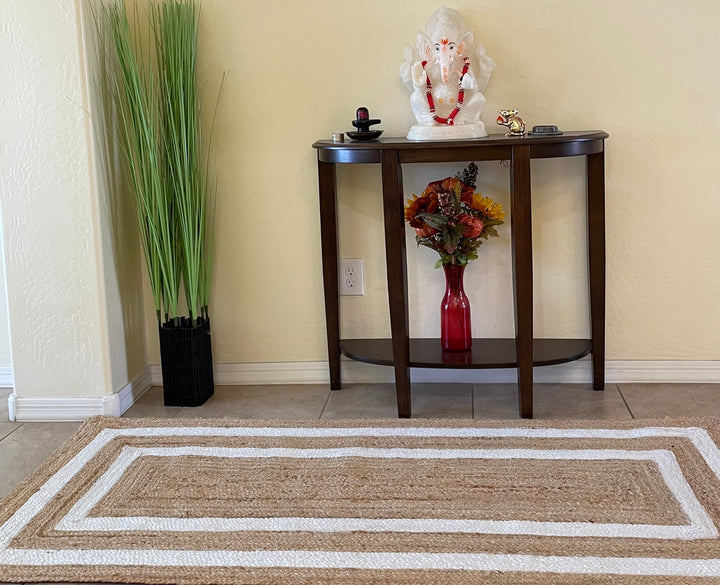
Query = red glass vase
x=455 y=331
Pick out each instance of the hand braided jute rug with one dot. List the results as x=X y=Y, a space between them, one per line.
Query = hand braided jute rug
x=384 y=502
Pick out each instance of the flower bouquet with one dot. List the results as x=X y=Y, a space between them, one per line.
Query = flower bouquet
x=453 y=220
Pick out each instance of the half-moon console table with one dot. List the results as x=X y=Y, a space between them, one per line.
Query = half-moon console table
x=524 y=351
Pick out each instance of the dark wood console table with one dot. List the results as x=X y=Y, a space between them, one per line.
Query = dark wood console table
x=523 y=352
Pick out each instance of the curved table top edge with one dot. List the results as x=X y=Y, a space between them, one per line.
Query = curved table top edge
x=400 y=143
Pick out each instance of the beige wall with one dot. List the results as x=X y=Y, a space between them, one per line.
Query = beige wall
x=646 y=72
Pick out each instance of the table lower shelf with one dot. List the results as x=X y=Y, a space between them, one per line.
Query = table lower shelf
x=484 y=353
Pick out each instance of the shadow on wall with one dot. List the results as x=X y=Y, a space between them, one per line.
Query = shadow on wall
x=122 y=262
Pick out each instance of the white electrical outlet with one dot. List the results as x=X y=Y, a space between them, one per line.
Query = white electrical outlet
x=351 y=276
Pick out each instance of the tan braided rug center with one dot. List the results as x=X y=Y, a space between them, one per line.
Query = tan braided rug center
x=360 y=502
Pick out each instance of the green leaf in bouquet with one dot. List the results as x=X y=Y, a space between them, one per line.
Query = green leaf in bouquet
x=490 y=231
x=452 y=237
x=457 y=208
x=428 y=243
x=457 y=191
x=434 y=220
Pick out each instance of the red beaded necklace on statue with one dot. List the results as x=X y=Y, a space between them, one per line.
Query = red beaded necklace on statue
x=450 y=120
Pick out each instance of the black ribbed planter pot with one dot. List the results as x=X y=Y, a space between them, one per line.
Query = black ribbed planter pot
x=186 y=359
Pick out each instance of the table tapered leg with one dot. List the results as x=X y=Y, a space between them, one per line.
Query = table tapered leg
x=596 y=252
x=393 y=209
x=521 y=223
x=328 y=236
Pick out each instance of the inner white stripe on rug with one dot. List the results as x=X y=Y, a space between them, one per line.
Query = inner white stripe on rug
x=700 y=526
x=698 y=436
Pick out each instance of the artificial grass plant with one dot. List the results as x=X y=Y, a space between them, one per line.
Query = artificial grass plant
x=160 y=135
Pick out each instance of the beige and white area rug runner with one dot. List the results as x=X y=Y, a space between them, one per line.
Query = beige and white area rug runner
x=382 y=502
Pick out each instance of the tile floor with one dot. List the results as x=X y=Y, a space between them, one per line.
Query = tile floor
x=23 y=446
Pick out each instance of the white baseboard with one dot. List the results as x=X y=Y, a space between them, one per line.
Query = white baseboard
x=616 y=371
x=667 y=371
x=132 y=391
x=27 y=409
x=6 y=377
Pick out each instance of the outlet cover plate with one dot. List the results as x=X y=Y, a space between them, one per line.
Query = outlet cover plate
x=351 y=276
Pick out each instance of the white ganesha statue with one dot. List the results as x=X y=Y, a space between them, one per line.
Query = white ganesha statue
x=447 y=74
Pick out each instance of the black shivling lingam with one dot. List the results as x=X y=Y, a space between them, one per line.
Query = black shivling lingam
x=363 y=122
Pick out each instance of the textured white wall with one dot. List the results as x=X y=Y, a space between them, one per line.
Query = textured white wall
x=646 y=72
x=60 y=336
x=5 y=360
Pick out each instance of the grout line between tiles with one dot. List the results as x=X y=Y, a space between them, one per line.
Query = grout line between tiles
x=325 y=405
x=11 y=432
x=625 y=401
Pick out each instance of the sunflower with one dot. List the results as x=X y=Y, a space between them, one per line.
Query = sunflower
x=489 y=208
